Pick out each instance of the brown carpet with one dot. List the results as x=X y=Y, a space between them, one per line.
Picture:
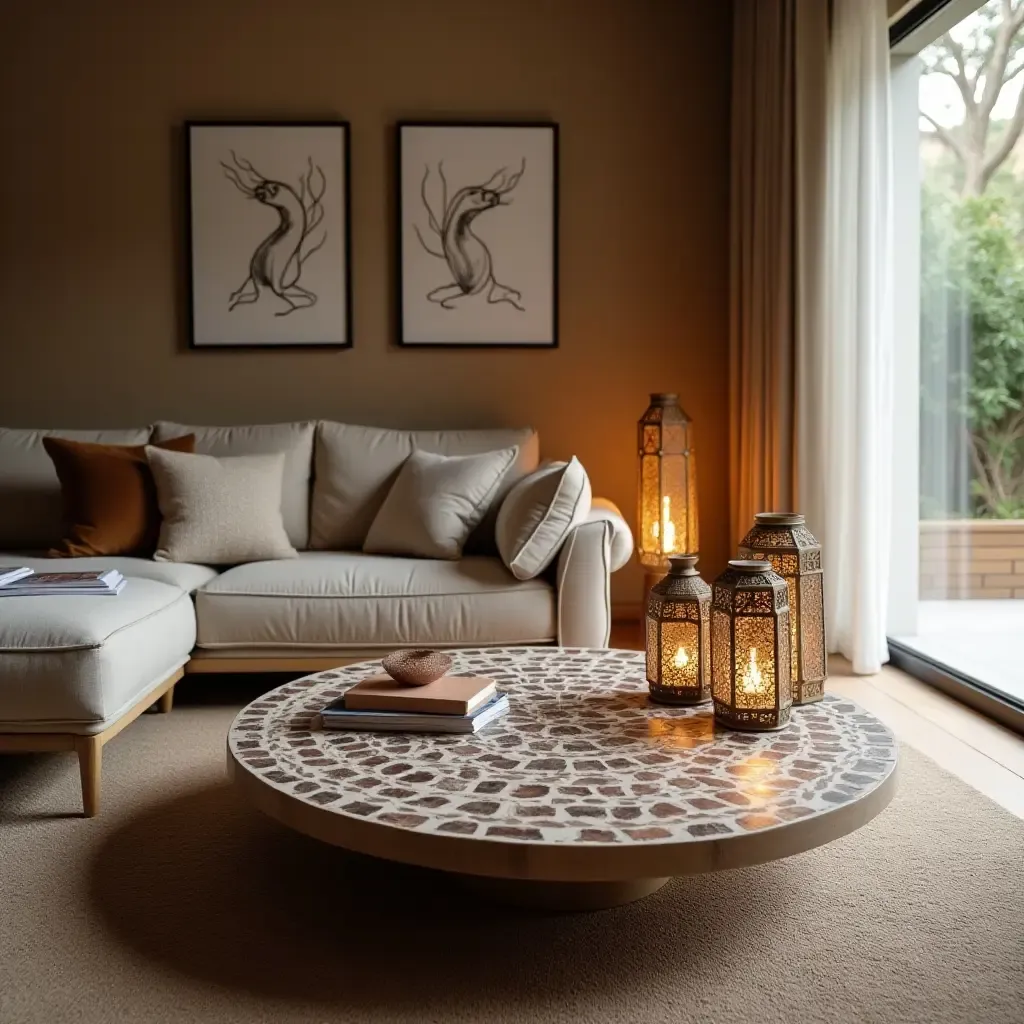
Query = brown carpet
x=180 y=904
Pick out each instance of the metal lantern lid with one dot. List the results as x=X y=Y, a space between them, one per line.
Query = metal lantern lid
x=683 y=580
x=779 y=532
x=745 y=575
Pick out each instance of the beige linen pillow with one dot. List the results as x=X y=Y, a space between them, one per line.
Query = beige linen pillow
x=539 y=513
x=219 y=511
x=435 y=502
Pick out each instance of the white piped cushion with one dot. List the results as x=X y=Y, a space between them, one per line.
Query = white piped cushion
x=538 y=515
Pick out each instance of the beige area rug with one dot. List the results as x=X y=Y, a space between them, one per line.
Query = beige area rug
x=180 y=904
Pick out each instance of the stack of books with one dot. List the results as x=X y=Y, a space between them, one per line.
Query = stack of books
x=453 y=704
x=22 y=582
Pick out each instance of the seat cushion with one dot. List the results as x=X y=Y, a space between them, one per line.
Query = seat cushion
x=183 y=575
x=31 y=513
x=350 y=599
x=77 y=663
x=356 y=467
x=294 y=439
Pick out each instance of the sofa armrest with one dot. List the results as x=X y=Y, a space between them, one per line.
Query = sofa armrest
x=591 y=553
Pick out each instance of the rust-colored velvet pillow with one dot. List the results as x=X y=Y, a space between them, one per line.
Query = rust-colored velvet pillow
x=109 y=497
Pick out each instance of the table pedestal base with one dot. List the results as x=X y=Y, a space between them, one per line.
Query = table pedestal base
x=562 y=895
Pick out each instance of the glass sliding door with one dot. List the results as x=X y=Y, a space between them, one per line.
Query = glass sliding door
x=970 y=618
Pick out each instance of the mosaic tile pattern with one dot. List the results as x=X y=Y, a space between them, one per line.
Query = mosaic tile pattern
x=582 y=758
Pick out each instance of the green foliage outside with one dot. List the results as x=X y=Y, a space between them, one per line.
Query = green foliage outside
x=972 y=286
x=973 y=346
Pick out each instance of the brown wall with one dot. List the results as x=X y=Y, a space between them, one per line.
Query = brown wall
x=92 y=289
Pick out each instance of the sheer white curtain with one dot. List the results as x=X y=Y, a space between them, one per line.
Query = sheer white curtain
x=845 y=372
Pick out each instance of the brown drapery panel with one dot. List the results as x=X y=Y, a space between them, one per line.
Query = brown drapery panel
x=778 y=161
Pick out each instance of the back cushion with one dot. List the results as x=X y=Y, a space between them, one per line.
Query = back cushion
x=294 y=439
x=356 y=466
x=31 y=514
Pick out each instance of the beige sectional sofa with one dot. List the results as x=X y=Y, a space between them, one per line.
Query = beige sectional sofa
x=74 y=671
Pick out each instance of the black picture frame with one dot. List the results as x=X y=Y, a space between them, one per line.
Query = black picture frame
x=344 y=249
x=402 y=234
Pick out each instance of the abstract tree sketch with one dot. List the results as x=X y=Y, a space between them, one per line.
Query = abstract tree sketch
x=277 y=262
x=468 y=258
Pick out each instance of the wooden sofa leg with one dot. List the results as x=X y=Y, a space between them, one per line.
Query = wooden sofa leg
x=90 y=764
x=167 y=701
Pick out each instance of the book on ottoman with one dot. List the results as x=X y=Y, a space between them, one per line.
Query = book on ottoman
x=449 y=695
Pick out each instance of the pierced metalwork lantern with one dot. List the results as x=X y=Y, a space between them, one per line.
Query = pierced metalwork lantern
x=667 y=518
x=782 y=539
x=679 y=635
x=750 y=647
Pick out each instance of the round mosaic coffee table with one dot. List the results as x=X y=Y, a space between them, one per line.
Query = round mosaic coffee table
x=584 y=795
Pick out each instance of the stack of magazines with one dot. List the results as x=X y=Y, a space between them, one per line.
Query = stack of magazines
x=17 y=581
x=454 y=704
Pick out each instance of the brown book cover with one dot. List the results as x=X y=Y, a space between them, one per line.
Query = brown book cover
x=449 y=695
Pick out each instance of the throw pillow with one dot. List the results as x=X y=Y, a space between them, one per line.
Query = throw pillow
x=219 y=511
x=109 y=499
x=539 y=513
x=435 y=502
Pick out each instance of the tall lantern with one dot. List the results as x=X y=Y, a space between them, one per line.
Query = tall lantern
x=784 y=540
x=667 y=519
x=679 y=635
x=750 y=657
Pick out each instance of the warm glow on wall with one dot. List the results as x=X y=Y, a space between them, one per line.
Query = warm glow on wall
x=667 y=517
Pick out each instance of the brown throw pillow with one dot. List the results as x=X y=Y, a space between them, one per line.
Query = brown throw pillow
x=109 y=497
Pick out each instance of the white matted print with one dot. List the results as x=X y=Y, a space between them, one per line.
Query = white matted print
x=478 y=234
x=269 y=246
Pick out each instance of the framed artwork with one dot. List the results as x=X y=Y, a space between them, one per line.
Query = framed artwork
x=478 y=235
x=269 y=246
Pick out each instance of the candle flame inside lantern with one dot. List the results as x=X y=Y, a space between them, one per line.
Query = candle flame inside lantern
x=681 y=659
x=668 y=530
x=752 y=681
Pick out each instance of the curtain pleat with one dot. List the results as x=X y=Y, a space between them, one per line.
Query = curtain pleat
x=811 y=330
x=763 y=272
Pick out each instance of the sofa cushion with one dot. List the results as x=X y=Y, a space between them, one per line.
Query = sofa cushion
x=31 y=514
x=351 y=599
x=355 y=468
x=219 y=511
x=108 y=496
x=539 y=513
x=76 y=663
x=185 y=576
x=294 y=439
x=436 y=502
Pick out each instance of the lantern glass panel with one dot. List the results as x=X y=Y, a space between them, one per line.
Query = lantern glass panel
x=755 y=662
x=680 y=658
x=721 y=655
x=650 y=506
x=674 y=529
x=652 y=648
x=813 y=646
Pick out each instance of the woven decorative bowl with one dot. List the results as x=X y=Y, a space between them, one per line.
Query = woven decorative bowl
x=418 y=667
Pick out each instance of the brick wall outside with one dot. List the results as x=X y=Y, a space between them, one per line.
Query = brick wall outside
x=974 y=558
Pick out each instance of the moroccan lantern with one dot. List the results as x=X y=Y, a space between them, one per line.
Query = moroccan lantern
x=782 y=539
x=750 y=647
x=679 y=635
x=667 y=519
